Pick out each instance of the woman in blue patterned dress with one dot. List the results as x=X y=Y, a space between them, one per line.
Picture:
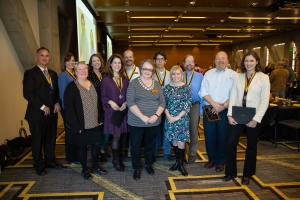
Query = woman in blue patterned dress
x=178 y=104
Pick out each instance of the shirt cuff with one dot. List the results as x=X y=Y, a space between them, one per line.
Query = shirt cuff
x=42 y=108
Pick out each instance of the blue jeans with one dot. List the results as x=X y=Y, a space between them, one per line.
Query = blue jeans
x=216 y=138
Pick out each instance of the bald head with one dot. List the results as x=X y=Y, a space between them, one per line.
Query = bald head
x=129 y=58
x=221 y=60
x=280 y=64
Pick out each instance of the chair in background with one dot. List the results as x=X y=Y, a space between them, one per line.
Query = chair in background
x=268 y=121
x=292 y=123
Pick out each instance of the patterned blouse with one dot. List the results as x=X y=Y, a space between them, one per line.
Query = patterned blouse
x=89 y=103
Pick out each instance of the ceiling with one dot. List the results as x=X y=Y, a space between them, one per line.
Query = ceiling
x=194 y=22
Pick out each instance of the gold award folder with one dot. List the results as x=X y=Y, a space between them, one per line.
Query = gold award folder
x=210 y=115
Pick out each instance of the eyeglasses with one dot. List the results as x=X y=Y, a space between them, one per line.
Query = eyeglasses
x=146 y=69
x=189 y=61
x=159 y=59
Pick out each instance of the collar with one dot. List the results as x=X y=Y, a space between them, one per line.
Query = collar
x=42 y=69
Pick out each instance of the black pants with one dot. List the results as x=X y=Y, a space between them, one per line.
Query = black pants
x=150 y=135
x=70 y=147
x=234 y=134
x=43 y=134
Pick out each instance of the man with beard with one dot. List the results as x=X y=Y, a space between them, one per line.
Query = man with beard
x=215 y=90
x=163 y=77
x=132 y=71
x=194 y=80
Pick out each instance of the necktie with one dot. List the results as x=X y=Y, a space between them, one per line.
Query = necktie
x=47 y=77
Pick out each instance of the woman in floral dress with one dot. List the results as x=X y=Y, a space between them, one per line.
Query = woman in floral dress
x=178 y=104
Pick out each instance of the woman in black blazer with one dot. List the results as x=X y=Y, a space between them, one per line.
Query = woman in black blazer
x=84 y=116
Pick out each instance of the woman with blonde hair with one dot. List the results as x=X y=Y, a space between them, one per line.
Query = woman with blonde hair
x=178 y=104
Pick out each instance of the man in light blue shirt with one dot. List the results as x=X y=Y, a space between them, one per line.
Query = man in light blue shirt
x=193 y=79
x=215 y=90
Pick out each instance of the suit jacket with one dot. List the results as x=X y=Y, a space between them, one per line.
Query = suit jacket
x=74 y=108
x=257 y=97
x=38 y=92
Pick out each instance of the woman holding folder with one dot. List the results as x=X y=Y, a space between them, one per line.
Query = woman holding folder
x=251 y=89
x=113 y=95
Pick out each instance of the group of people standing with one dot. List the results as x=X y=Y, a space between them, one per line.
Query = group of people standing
x=161 y=107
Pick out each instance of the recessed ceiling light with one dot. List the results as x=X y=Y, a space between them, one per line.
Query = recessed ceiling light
x=153 y=17
x=287 y=17
x=256 y=18
x=135 y=36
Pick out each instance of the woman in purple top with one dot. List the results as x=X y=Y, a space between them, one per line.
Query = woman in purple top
x=113 y=95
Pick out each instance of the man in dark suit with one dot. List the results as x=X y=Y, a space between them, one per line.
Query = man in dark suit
x=41 y=91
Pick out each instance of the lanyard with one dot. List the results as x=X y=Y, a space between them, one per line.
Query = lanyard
x=47 y=76
x=119 y=84
x=99 y=77
x=190 y=79
x=71 y=74
x=161 y=80
x=247 y=83
x=130 y=76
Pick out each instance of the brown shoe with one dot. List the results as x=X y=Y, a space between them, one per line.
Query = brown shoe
x=209 y=165
x=219 y=168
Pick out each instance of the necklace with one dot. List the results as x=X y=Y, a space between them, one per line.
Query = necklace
x=145 y=86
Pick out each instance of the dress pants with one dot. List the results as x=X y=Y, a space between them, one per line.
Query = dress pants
x=234 y=134
x=70 y=147
x=194 y=123
x=43 y=134
x=136 y=138
x=216 y=138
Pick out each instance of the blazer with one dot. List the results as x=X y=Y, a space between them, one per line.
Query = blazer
x=74 y=108
x=257 y=97
x=38 y=92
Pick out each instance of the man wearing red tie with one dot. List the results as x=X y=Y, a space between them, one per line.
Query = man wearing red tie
x=41 y=91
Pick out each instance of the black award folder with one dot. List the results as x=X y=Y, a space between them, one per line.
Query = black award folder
x=243 y=115
x=118 y=117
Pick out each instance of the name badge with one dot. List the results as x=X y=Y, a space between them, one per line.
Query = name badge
x=135 y=73
x=154 y=91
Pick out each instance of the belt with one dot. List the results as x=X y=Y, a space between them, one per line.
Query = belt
x=195 y=103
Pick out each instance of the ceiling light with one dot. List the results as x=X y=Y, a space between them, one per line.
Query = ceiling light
x=153 y=17
x=266 y=18
x=187 y=29
x=145 y=36
x=129 y=36
x=195 y=40
x=127 y=11
x=234 y=36
x=135 y=45
x=187 y=44
x=223 y=29
x=261 y=29
x=143 y=41
x=194 y=17
x=147 y=29
x=256 y=48
x=163 y=44
x=220 y=41
x=211 y=44
x=176 y=35
x=287 y=17
x=169 y=40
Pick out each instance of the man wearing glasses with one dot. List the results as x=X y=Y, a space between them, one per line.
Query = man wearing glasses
x=194 y=80
x=163 y=77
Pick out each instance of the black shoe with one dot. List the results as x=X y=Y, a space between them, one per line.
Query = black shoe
x=105 y=155
x=174 y=167
x=137 y=174
x=40 y=172
x=86 y=175
x=228 y=178
x=54 y=165
x=149 y=169
x=245 y=180
x=99 y=171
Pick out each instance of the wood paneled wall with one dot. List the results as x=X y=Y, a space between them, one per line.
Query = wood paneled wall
x=204 y=55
